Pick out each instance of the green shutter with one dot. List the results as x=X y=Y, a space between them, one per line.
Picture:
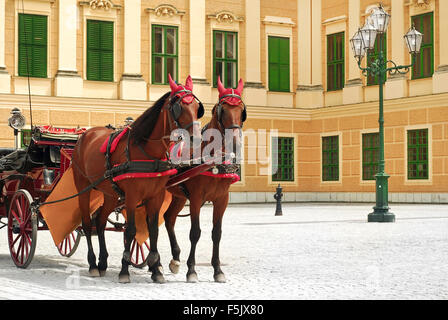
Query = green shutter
x=33 y=35
x=100 y=50
x=274 y=70
x=278 y=52
x=424 y=66
x=335 y=61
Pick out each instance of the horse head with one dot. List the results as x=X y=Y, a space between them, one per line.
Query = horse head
x=230 y=114
x=184 y=107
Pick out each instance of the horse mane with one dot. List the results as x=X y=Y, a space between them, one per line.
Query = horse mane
x=143 y=126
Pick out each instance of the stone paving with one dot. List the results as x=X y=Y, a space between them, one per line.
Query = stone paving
x=313 y=251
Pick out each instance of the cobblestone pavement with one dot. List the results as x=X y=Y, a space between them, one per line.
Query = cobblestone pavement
x=313 y=251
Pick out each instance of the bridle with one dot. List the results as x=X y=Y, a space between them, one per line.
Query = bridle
x=175 y=108
x=219 y=111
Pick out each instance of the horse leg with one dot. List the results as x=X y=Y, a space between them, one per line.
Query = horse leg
x=84 y=205
x=219 y=207
x=152 y=213
x=195 y=234
x=129 y=235
x=101 y=221
x=170 y=220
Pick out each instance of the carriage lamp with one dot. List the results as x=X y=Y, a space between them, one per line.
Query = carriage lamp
x=376 y=27
x=17 y=122
x=278 y=196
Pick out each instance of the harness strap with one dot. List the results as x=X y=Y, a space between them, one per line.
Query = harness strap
x=110 y=171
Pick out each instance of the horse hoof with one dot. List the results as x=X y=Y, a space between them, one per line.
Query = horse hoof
x=124 y=278
x=102 y=273
x=94 y=273
x=158 y=278
x=192 y=278
x=220 y=277
x=174 y=266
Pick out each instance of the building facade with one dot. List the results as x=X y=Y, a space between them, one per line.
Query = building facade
x=310 y=109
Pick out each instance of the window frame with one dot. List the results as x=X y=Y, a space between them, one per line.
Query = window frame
x=330 y=165
x=371 y=149
x=418 y=162
x=424 y=46
x=225 y=59
x=280 y=166
x=164 y=55
x=333 y=63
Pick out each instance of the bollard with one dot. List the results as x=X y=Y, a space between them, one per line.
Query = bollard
x=278 y=196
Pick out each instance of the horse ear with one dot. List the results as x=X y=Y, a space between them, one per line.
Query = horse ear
x=221 y=88
x=189 y=83
x=240 y=87
x=173 y=84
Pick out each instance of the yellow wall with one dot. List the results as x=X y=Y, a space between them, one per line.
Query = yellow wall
x=305 y=115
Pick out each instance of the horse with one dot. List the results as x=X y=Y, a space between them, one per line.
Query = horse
x=228 y=114
x=147 y=143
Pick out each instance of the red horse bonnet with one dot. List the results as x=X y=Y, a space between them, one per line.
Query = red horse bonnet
x=178 y=90
x=233 y=101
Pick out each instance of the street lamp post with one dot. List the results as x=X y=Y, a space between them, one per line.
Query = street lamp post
x=361 y=43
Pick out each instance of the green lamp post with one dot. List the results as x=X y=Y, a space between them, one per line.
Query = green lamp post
x=361 y=43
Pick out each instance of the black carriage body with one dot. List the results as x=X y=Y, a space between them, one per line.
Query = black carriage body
x=36 y=168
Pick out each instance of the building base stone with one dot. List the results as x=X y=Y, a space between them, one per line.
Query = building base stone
x=337 y=197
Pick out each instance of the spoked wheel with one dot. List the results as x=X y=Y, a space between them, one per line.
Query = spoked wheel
x=22 y=229
x=139 y=253
x=69 y=245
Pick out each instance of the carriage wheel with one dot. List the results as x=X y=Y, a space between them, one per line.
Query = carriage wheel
x=22 y=229
x=139 y=253
x=69 y=245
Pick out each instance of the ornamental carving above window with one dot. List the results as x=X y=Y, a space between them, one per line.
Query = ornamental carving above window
x=165 y=11
x=101 y=4
x=424 y=4
x=225 y=17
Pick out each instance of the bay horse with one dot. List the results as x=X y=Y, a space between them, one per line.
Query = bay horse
x=228 y=114
x=144 y=142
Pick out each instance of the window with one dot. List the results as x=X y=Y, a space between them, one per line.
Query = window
x=330 y=158
x=32 y=44
x=335 y=61
x=278 y=48
x=100 y=50
x=164 y=54
x=283 y=152
x=370 y=155
x=373 y=55
x=225 y=58
x=424 y=64
x=418 y=154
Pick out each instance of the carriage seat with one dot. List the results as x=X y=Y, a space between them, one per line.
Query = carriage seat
x=59 y=134
x=6 y=151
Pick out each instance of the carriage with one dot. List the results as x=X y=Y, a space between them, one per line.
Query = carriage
x=28 y=175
